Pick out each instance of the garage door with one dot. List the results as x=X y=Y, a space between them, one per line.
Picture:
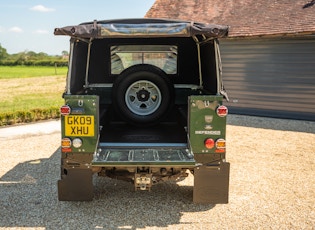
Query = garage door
x=270 y=77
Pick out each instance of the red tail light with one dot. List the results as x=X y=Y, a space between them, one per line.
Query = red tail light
x=209 y=143
x=222 y=111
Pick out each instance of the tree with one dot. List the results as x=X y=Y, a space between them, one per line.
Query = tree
x=31 y=58
x=3 y=53
x=65 y=53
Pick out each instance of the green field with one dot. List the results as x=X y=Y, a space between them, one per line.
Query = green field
x=9 y=72
x=30 y=93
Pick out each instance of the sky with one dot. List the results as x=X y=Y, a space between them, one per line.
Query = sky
x=28 y=25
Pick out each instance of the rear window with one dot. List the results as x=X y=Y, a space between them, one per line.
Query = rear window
x=161 y=56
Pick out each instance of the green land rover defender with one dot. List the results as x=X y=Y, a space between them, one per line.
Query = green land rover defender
x=143 y=103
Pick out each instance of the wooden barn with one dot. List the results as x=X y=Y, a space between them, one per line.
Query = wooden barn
x=269 y=56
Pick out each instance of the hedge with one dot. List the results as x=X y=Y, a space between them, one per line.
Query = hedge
x=28 y=116
x=34 y=63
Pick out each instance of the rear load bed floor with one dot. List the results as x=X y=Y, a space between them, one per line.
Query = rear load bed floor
x=161 y=145
x=121 y=132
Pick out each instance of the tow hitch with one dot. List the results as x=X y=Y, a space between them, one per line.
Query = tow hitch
x=143 y=181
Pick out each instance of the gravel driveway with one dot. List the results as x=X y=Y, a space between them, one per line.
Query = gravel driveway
x=272 y=186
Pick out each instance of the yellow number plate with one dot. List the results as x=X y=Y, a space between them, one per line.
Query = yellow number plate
x=79 y=126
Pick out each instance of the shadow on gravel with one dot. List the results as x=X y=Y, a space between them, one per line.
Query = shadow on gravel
x=28 y=198
x=271 y=123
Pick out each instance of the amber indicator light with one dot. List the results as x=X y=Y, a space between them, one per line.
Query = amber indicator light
x=220 y=144
x=66 y=143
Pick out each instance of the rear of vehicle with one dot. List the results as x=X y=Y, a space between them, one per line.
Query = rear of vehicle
x=143 y=103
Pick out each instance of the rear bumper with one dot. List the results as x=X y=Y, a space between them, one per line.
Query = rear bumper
x=141 y=156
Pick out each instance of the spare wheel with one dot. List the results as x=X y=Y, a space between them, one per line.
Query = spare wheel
x=143 y=94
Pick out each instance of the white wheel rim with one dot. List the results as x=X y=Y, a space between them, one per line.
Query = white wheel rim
x=143 y=97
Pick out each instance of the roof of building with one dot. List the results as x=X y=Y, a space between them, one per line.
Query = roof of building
x=245 y=17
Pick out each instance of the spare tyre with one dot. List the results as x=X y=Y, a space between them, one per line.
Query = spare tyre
x=143 y=94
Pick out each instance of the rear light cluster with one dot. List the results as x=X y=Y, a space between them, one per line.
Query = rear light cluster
x=67 y=143
x=210 y=143
x=219 y=144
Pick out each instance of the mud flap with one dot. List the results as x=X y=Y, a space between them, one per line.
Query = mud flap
x=211 y=184
x=77 y=185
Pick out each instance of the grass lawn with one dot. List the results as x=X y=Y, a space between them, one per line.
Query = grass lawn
x=29 y=93
x=9 y=72
x=25 y=94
